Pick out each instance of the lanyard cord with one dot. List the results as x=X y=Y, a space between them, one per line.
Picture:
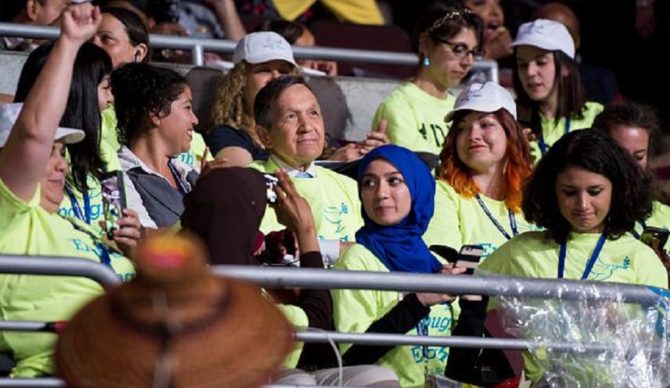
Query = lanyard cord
x=86 y=214
x=512 y=219
x=636 y=234
x=180 y=185
x=589 y=264
x=102 y=250
x=543 y=146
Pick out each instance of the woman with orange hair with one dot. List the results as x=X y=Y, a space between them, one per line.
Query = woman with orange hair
x=484 y=162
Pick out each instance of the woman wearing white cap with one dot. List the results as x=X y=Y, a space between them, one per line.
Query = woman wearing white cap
x=449 y=38
x=32 y=179
x=259 y=58
x=484 y=162
x=550 y=95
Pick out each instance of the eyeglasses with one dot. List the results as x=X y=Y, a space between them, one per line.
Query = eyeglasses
x=460 y=50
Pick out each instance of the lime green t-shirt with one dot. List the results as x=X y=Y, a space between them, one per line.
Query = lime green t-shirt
x=415 y=118
x=552 y=130
x=333 y=198
x=535 y=255
x=355 y=310
x=298 y=319
x=660 y=218
x=110 y=141
x=28 y=229
x=68 y=206
x=459 y=221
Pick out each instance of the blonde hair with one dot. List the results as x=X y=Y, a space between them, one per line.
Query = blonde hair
x=230 y=102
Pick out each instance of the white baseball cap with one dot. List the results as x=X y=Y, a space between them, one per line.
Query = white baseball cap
x=263 y=46
x=10 y=112
x=487 y=97
x=547 y=35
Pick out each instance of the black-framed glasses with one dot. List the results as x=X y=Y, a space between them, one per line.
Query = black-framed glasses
x=460 y=50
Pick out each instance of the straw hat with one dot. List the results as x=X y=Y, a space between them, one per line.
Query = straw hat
x=174 y=325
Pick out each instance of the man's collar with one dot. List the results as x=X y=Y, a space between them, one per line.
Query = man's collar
x=310 y=172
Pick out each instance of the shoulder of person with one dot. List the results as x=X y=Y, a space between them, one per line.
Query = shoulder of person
x=358 y=257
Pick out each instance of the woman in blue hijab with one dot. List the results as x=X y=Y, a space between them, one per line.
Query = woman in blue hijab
x=397 y=192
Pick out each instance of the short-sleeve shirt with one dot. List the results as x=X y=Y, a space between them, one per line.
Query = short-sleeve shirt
x=28 y=229
x=415 y=118
x=226 y=136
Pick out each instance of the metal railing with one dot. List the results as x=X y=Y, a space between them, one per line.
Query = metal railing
x=197 y=46
x=59 y=266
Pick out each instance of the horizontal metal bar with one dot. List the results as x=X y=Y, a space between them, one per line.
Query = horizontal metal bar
x=57 y=266
x=25 y=326
x=36 y=382
x=282 y=277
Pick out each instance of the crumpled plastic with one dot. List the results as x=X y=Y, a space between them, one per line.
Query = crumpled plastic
x=586 y=343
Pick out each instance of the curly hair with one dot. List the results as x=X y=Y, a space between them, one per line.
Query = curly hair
x=596 y=152
x=91 y=65
x=140 y=92
x=630 y=114
x=571 y=94
x=518 y=169
x=230 y=104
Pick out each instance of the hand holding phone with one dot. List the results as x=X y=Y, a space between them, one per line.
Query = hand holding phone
x=656 y=238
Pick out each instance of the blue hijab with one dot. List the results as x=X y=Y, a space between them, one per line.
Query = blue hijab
x=400 y=246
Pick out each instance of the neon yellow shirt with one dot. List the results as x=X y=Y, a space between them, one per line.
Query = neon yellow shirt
x=660 y=218
x=333 y=198
x=110 y=142
x=298 y=319
x=28 y=229
x=461 y=221
x=552 y=130
x=355 y=310
x=352 y=11
x=533 y=255
x=67 y=206
x=415 y=118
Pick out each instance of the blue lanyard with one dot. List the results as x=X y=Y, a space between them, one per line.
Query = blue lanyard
x=543 y=146
x=180 y=185
x=512 y=220
x=86 y=214
x=589 y=264
x=636 y=234
x=103 y=252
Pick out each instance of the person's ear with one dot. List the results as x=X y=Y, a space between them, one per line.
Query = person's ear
x=140 y=52
x=425 y=44
x=154 y=120
x=264 y=136
x=32 y=10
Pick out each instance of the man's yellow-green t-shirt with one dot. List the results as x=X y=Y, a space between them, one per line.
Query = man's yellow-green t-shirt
x=355 y=310
x=415 y=118
x=552 y=130
x=28 y=229
x=535 y=255
x=332 y=197
x=459 y=221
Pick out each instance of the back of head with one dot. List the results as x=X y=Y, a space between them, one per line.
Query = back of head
x=598 y=153
x=289 y=30
x=561 y=13
x=630 y=114
x=443 y=19
x=225 y=210
x=140 y=91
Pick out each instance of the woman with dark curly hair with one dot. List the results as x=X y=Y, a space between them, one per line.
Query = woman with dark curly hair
x=484 y=163
x=571 y=195
x=155 y=123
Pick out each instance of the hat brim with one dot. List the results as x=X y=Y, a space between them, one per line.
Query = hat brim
x=240 y=349
x=69 y=135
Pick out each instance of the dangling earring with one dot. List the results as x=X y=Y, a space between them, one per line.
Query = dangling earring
x=426 y=61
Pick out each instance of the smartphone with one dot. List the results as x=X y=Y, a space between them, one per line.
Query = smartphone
x=113 y=201
x=469 y=257
x=271 y=182
x=655 y=237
